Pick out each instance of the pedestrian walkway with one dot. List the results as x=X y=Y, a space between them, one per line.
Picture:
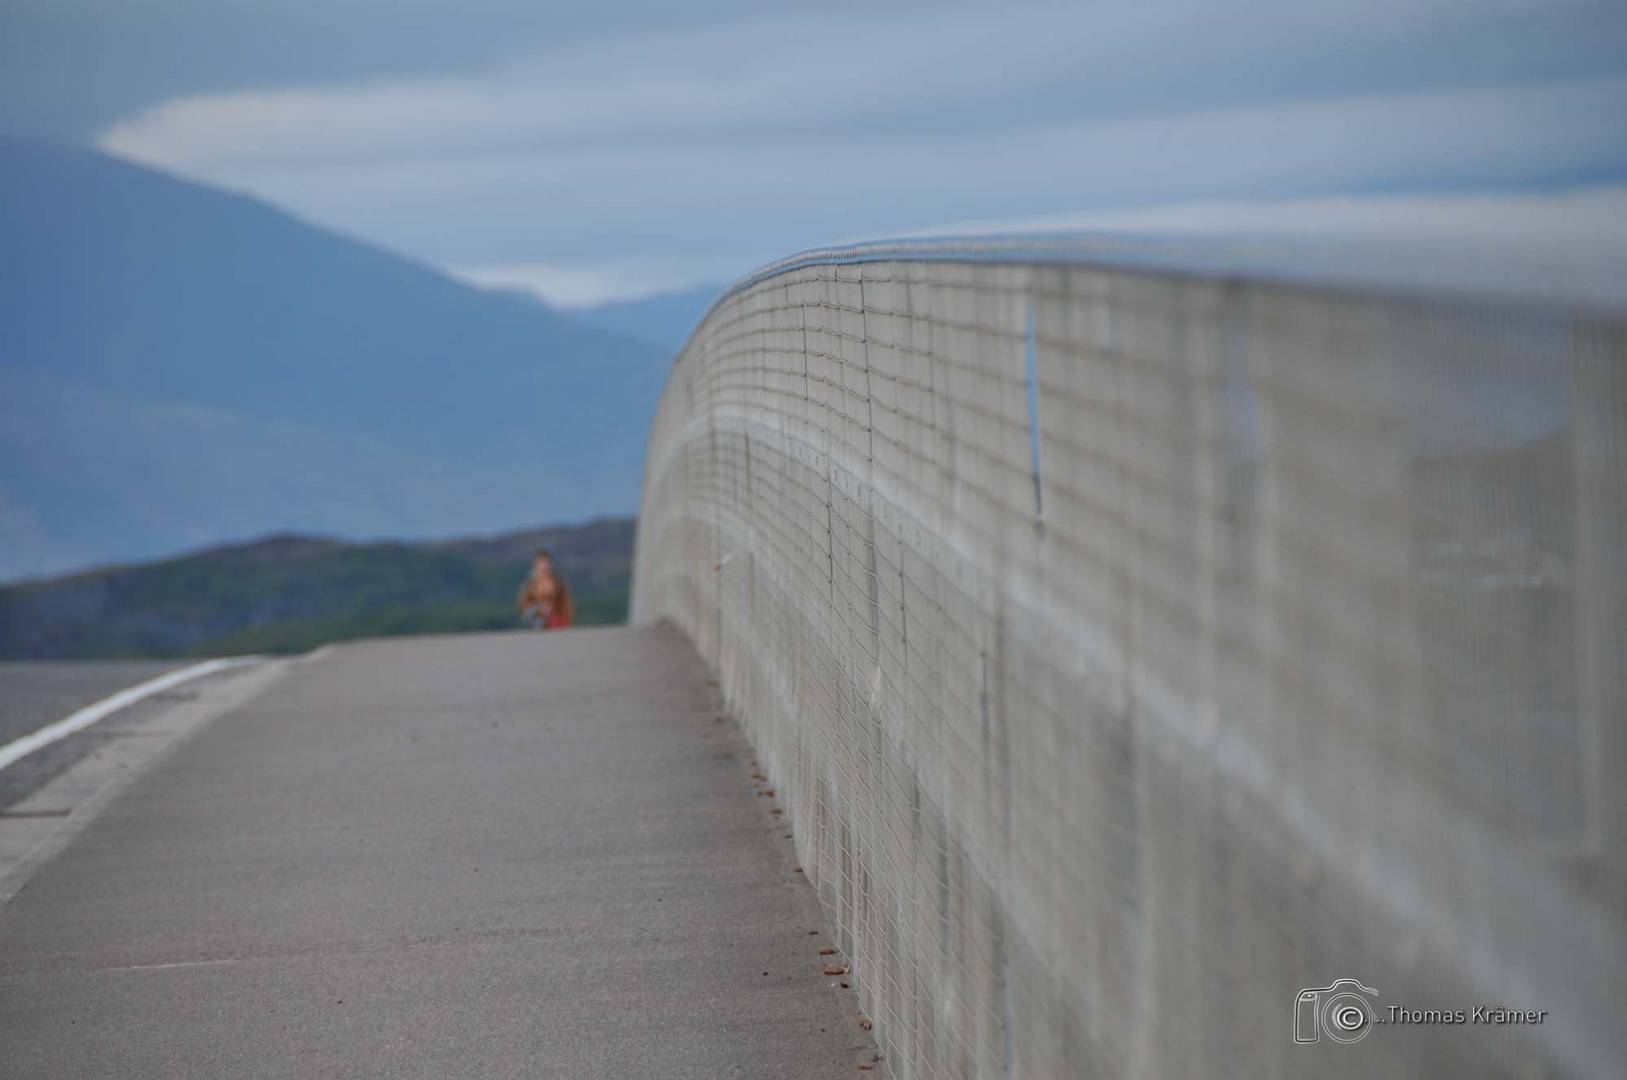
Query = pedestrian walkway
x=504 y=855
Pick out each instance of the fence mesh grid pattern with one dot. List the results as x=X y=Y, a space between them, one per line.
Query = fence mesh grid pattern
x=1132 y=651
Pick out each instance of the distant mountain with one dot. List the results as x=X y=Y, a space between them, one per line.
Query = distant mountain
x=180 y=365
x=291 y=593
x=664 y=320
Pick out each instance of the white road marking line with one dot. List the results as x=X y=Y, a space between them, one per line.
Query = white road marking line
x=18 y=749
x=171 y=966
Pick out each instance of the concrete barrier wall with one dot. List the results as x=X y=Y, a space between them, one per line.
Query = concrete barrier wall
x=1133 y=651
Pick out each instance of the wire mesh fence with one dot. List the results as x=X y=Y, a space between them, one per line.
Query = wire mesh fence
x=1136 y=651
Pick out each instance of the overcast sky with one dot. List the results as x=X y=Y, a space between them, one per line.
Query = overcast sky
x=594 y=150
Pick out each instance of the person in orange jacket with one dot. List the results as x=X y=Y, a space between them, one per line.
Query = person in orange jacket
x=545 y=600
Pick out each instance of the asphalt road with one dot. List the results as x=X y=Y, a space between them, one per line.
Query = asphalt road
x=504 y=855
x=34 y=694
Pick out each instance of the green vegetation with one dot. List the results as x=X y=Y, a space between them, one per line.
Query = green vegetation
x=290 y=594
x=302 y=635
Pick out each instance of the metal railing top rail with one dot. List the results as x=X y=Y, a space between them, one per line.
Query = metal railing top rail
x=1474 y=270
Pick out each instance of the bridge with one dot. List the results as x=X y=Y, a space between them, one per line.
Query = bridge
x=1051 y=657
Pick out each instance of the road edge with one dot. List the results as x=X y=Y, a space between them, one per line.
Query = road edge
x=31 y=836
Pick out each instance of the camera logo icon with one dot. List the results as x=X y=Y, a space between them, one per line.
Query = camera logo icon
x=1343 y=1011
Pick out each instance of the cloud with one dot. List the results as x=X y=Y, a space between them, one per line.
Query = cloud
x=1578 y=220
x=950 y=70
x=579 y=166
x=582 y=285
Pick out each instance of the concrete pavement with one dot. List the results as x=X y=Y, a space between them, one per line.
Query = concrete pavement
x=483 y=856
x=36 y=693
